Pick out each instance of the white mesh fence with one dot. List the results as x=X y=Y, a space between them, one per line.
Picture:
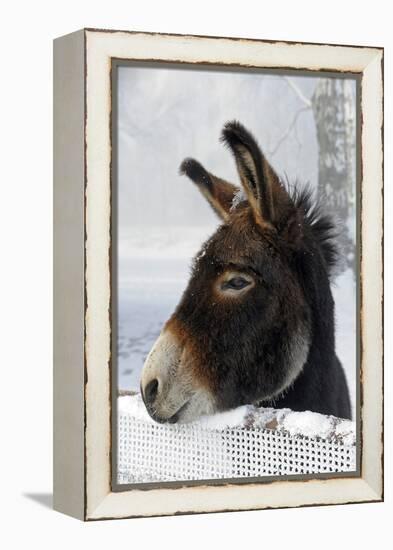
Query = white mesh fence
x=266 y=442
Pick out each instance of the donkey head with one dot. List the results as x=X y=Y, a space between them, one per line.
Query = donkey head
x=241 y=332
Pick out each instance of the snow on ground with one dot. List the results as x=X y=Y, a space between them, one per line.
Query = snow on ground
x=154 y=267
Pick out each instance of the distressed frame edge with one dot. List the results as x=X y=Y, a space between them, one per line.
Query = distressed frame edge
x=372 y=268
x=232 y=38
x=115 y=487
x=374 y=490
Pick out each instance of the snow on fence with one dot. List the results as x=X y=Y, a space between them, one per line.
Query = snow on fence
x=245 y=442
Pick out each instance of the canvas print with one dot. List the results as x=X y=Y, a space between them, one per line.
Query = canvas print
x=234 y=274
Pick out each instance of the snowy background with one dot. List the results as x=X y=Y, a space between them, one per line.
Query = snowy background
x=167 y=114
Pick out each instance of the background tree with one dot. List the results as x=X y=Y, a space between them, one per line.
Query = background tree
x=333 y=106
x=334 y=113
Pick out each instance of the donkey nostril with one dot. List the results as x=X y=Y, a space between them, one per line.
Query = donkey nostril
x=151 y=390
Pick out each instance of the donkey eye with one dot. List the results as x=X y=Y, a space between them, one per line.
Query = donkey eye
x=236 y=283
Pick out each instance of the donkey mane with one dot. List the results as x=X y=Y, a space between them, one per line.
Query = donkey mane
x=322 y=226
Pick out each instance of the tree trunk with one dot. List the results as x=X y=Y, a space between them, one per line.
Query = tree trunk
x=334 y=113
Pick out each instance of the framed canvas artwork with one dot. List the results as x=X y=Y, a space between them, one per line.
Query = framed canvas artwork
x=218 y=274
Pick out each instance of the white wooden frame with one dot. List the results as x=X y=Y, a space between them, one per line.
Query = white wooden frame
x=82 y=384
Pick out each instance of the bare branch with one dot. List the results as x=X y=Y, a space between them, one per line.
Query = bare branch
x=288 y=130
x=298 y=92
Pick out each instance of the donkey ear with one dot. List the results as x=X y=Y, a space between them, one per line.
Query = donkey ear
x=265 y=193
x=219 y=193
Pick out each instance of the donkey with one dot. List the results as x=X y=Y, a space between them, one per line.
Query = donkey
x=255 y=324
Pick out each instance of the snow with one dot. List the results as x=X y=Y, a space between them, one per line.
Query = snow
x=134 y=406
x=304 y=424
x=308 y=423
x=239 y=197
x=345 y=430
x=229 y=419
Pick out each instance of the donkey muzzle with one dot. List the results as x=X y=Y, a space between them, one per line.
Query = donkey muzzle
x=168 y=385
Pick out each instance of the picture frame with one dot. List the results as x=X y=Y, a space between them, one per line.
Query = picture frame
x=84 y=235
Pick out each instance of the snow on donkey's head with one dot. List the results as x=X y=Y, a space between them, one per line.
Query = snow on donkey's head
x=256 y=322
